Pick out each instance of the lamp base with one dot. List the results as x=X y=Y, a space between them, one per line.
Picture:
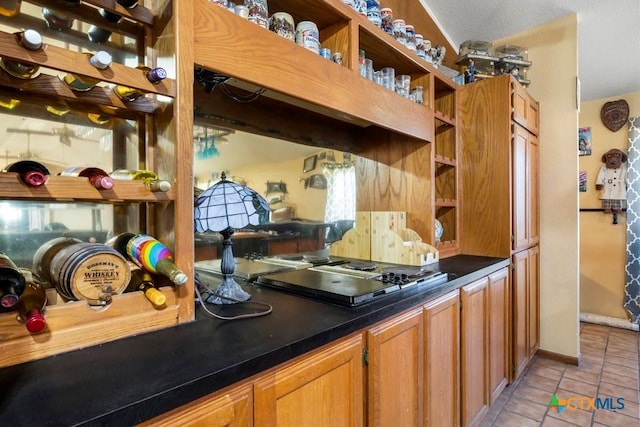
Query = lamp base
x=228 y=292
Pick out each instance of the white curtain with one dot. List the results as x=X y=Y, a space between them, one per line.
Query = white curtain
x=632 y=268
x=341 y=192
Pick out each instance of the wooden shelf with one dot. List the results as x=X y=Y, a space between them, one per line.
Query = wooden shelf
x=66 y=188
x=445 y=203
x=443 y=160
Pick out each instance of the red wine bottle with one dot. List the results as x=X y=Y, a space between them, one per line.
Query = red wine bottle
x=101 y=35
x=31 y=173
x=12 y=283
x=97 y=177
x=31 y=307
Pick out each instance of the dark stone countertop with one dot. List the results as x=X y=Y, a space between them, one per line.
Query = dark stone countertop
x=136 y=378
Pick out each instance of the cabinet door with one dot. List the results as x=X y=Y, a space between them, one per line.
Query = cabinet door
x=498 y=333
x=474 y=351
x=520 y=177
x=533 y=196
x=525 y=108
x=533 y=304
x=322 y=389
x=442 y=361
x=519 y=292
x=396 y=352
x=231 y=408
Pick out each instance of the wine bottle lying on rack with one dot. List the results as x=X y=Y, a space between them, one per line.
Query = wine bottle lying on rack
x=31 y=306
x=150 y=179
x=31 y=173
x=31 y=40
x=100 y=60
x=101 y=35
x=154 y=75
x=129 y=4
x=12 y=283
x=142 y=280
x=150 y=254
x=97 y=177
x=57 y=20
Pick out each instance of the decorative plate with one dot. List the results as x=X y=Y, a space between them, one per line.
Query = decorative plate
x=614 y=114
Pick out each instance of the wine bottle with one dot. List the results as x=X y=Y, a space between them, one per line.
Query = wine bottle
x=150 y=179
x=57 y=20
x=148 y=253
x=31 y=173
x=129 y=4
x=101 y=35
x=9 y=103
x=154 y=75
x=10 y=8
x=12 y=283
x=97 y=177
x=99 y=119
x=143 y=281
x=31 y=40
x=100 y=60
x=31 y=307
x=58 y=109
x=119 y=243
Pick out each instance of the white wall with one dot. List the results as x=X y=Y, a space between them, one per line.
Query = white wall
x=553 y=51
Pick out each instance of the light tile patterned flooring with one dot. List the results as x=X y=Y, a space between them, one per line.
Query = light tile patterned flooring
x=609 y=369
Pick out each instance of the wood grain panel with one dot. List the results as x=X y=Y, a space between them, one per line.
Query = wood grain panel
x=76 y=325
x=395 y=387
x=519 y=316
x=442 y=361
x=499 y=304
x=485 y=135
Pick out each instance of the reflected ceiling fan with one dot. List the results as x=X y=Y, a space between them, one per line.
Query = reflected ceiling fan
x=64 y=133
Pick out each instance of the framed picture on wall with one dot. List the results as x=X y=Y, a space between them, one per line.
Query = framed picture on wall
x=584 y=141
x=309 y=164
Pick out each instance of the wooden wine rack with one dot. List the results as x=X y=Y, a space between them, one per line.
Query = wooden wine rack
x=75 y=324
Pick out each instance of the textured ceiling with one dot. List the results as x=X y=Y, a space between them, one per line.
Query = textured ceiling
x=608 y=34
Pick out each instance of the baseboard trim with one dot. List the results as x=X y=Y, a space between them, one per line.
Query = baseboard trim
x=569 y=360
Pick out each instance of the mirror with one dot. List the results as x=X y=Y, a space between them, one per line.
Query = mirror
x=295 y=180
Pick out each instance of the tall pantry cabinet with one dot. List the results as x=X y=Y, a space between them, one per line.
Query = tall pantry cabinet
x=499 y=125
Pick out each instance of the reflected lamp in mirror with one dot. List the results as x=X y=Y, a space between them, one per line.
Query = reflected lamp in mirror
x=224 y=208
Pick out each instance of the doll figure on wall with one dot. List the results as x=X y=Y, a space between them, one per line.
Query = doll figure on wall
x=612 y=182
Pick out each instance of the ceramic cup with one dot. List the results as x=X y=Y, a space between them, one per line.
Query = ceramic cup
x=282 y=24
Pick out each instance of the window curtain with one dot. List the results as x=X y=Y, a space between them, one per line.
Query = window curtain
x=341 y=192
x=632 y=268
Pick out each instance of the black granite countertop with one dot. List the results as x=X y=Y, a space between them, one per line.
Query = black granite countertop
x=136 y=378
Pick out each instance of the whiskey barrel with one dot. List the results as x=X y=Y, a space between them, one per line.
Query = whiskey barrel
x=45 y=253
x=89 y=271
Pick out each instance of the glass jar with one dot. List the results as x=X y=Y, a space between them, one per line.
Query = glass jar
x=411 y=37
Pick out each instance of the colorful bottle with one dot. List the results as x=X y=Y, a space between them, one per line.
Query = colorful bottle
x=31 y=307
x=31 y=40
x=12 y=283
x=101 y=35
x=154 y=75
x=100 y=60
x=57 y=20
x=97 y=177
x=148 y=253
x=31 y=173
x=10 y=8
x=150 y=179
x=143 y=281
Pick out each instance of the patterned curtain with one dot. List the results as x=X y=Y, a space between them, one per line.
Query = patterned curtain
x=341 y=192
x=632 y=269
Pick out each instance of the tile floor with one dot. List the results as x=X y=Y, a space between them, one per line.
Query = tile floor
x=609 y=369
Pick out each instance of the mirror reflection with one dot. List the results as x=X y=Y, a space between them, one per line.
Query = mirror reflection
x=310 y=191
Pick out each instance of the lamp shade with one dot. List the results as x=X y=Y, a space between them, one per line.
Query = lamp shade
x=229 y=205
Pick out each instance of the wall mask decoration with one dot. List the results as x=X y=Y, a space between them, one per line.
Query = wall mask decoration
x=614 y=114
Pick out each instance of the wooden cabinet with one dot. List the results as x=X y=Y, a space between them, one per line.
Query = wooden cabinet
x=321 y=389
x=474 y=351
x=499 y=350
x=525 y=308
x=442 y=361
x=65 y=128
x=500 y=187
x=395 y=371
x=228 y=408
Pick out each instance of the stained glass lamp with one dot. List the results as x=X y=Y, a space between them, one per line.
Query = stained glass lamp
x=226 y=207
